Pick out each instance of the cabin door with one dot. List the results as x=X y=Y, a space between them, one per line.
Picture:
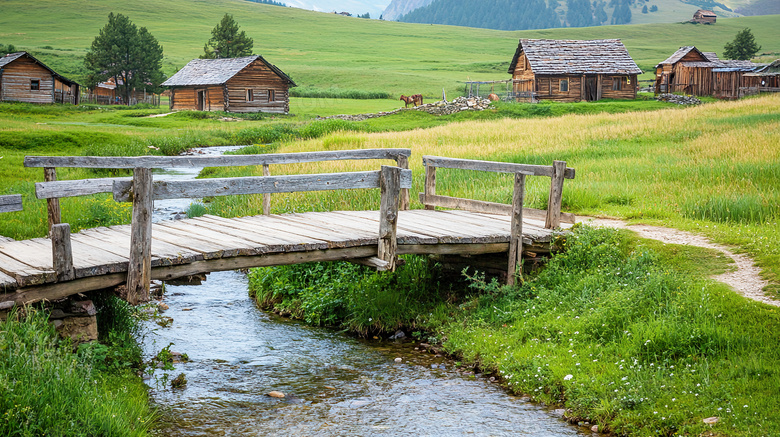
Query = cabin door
x=201 y=100
x=591 y=88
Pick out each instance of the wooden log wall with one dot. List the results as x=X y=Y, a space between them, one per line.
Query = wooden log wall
x=259 y=78
x=549 y=88
x=696 y=81
x=628 y=86
x=16 y=80
x=186 y=98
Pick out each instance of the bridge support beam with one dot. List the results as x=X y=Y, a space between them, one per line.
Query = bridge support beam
x=390 y=189
x=139 y=270
x=515 y=267
x=556 y=195
x=62 y=254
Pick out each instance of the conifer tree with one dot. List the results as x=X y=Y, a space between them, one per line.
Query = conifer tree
x=743 y=47
x=226 y=41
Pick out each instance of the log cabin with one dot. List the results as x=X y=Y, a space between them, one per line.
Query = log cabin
x=573 y=70
x=703 y=16
x=26 y=79
x=247 y=84
x=763 y=79
x=690 y=71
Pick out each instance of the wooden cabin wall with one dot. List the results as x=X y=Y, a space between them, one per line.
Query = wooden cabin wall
x=726 y=84
x=627 y=87
x=261 y=80
x=523 y=75
x=696 y=81
x=16 y=80
x=548 y=88
x=186 y=98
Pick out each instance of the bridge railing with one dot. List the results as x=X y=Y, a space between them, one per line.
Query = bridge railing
x=552 y=217
x=11 y=203
x=394 y=183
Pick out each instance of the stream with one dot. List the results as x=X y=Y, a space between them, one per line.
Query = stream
x=334 y=384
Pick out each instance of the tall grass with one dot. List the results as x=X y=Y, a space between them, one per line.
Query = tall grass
x=45 y=389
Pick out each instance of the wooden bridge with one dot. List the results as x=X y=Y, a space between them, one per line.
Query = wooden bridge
x=64 y=264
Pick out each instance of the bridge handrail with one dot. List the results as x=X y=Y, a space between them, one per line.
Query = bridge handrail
x=11 y=203
x=557 y=172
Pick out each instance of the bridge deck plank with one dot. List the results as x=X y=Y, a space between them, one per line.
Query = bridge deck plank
x=371 y=223
x=292 y=226
x=163 y=253
x=273 y=242
x=210 y=246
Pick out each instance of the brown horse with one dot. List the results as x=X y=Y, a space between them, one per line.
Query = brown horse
x=415 y=100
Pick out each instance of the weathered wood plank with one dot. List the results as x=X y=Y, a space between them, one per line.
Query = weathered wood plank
x=293 y=227
x=499 y=167
x=390 y=187
x=116 y=240
x=266 y=196
x=59 y=290
x=379 y=264
x=403 y=162
x=488 y=207
x=229 y=246
x=553 y=219
x=11 y=203
x=140 y=263
x=515 y=264
x=24 y=274
x=76 y=187
x=452 y=249
x=7 y=283
x=258 y=185
x=273 y=241
x=52 y=205
x=208 y=247
x=367 y=225
x=211 y=161
x=62 y=252
x=430 y=184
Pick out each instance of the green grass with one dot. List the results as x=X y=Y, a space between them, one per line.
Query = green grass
x=45 y=389
x=365 y=55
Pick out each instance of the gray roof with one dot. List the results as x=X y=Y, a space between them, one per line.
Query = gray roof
x=679 y=54
x=7 y=59
x=549 y=56
x=712 y=56
x=773 y=69
x=217 y=71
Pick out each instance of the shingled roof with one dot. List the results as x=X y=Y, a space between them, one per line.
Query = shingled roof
x=217 y=71
x=601 y=56
x=679 y=54
x=7 y=59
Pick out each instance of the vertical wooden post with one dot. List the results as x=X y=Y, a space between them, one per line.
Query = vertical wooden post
x=139 y=270
x=430 y=183
x=266 y=196
x=53 y=204
x=403 y=162
x=553 y=219
x=61 y=252
x=516 y=231
x=390 y=188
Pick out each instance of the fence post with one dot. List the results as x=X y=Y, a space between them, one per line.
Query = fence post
x=139 y=269
x=62 y=254
x=430 y=183
x=52 y=204
x=516 y=231
x=553 y=219
x=403 y=162
x=390 y=188
x=266 y=196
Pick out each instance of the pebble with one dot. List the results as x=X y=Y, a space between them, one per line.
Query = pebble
x=398 y=360
x=162 y=307
x=711 y=420
x=276 y=394
x=594 y=428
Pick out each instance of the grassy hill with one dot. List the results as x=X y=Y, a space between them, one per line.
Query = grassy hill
x=324 y=50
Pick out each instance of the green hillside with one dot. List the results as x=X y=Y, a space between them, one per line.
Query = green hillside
x=325 y=50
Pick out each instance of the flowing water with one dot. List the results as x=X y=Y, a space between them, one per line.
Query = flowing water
x=334 y=384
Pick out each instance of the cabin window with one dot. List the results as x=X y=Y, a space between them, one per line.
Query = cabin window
x=35 y=85
x=271 y=96
x=250 y=95
x=563 y=86
x=616 y=83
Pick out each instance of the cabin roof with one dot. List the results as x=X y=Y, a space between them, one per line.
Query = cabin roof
x=712 y=56
x=679 y=54
x=601 y=56
x=773 y=69
x=705 y=13
x=217 y=71
x=11 y=57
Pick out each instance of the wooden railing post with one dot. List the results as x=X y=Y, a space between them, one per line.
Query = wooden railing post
x=390 y=189
x=516 y=231
x=53 y=204
x=62 y=254
x=553 y=219
x=403 y=162
x=266 y=196
x=430 y=183
x=139 y=270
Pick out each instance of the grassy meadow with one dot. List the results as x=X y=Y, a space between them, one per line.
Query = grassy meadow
x=330 y=52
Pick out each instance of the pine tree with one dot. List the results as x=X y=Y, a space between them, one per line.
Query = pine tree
x=131 y=56
x=226 y=41
x=743 y=47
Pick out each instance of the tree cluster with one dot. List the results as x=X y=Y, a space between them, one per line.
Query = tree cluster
x=227 y=41
x=743 y=47
x=489 y=14
x=5 y=49
x=129 y=55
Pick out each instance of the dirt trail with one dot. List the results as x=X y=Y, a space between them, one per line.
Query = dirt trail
x=746 y=279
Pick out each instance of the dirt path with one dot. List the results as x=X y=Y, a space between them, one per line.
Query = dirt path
x=745 y=279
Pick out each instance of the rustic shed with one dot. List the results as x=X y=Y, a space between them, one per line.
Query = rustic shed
x=763 y=79
x=105 y=93
x=697 y=73
x=248 y=84
x=26 y=79
x=573 y=70
x=703 y=16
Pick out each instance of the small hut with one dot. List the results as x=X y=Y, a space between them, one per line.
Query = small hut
x=703 y=16
x=764 y=79
x=690 y=71
x=573 y=70
x=248 y=84
x=26 y=79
